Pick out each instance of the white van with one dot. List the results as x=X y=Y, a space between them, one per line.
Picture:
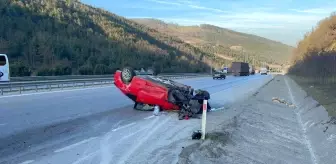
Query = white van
x=4 y=68
x=263 y=71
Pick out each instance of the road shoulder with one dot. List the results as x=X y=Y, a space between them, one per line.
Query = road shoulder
x=267 y=130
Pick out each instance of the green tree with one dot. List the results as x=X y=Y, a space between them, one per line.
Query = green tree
x=100 y=69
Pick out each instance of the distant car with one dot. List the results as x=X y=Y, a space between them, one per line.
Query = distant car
x=147 y=90
x=218 y=75
x=225 y=70
x=263 y=71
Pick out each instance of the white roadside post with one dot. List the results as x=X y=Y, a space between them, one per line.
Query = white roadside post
x=204 y=118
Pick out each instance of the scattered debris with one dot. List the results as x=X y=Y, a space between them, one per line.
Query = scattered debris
x=325 y=129
x=331 y=121
x=196 y=135
x=156 y=111
x=283 y=101
x=311 y=86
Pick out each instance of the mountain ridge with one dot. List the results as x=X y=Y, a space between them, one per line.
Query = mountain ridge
x=204 y=34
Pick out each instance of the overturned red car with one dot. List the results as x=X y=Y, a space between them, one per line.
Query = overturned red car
x=152 y=90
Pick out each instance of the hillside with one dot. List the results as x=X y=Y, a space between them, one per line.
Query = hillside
x=315 y=53
x=313 y=64
x=223 y=41
x=48 y=37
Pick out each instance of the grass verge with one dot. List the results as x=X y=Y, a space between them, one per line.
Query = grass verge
x=324 y=93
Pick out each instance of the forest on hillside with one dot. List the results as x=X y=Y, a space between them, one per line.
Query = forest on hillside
x=48 y=37
x=315 y=55
x=217 y=40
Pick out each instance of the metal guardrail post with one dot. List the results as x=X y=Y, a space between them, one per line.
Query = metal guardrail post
x=2 y=91
x=36 y=88
x=20 y=89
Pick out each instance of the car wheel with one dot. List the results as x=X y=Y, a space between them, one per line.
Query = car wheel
x=127 y=74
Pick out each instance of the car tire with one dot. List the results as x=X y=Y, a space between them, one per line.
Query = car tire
x=127 y=74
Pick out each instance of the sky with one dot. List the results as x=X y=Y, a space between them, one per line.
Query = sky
x=282 y=20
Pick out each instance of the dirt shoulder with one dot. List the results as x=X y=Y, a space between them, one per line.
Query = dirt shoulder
x=325 y=94
x=269 y=127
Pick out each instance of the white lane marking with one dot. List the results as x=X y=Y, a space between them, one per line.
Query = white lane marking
x=60 y=91
x=3 y=124
x=217 y=109
x=74 y=145
x=122 y=127
x=125 y=137
x=149 y=117
x=307 y=141
x=27 y=162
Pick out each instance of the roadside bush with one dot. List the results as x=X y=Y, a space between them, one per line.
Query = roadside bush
x=44 y=71
x=100 y=69
x=19 y=69
x=86 y=70
x=62 y=70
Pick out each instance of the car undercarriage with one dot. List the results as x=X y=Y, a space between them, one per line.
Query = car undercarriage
x=150 y=91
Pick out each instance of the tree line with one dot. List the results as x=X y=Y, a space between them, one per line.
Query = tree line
x=47 y=37
x=315 y=55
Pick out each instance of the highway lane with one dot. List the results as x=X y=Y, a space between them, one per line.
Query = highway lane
x=34 y=110
x=21 y=112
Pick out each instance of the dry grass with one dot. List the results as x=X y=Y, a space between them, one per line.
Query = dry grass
x=324 y=93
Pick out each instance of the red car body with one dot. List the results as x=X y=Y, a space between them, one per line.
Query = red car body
x=142 y=90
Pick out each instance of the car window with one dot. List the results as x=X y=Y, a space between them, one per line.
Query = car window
x=2 y=60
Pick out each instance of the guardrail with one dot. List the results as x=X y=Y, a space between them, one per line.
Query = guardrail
x=67 y=77
x=48 y=85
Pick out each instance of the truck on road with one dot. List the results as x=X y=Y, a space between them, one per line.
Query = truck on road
x=240 y=69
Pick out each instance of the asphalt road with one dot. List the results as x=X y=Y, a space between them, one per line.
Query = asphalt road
x=95 y=116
